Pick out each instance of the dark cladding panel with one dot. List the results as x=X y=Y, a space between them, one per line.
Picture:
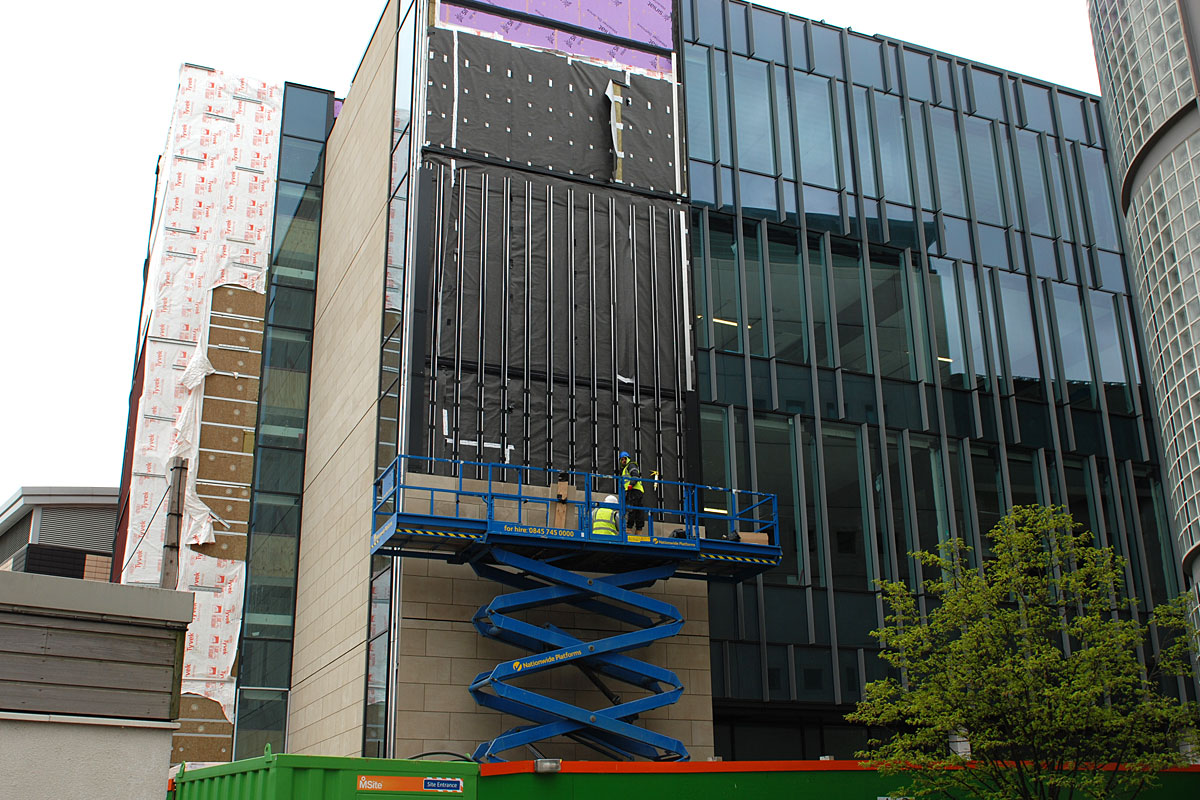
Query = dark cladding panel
x=553 y=355
x=489 y=99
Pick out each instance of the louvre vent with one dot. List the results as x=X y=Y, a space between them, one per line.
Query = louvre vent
x=83 y=528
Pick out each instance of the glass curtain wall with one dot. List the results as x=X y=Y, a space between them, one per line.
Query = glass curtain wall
x=911 y=315
x=384 y=571
x=265 y=661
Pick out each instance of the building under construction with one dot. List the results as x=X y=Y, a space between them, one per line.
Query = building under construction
x=840 y=297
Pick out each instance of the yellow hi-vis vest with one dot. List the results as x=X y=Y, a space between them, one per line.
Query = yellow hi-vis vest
x=604 y=521
x=626 y=472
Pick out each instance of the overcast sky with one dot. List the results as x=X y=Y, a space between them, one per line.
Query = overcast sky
x=91 y=87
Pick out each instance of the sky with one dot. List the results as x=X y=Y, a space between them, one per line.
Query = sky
x=91 y=86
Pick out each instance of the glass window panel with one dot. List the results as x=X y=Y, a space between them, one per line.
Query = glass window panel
x=758 y=195
x=277 y=514
x=297 y=231
x=1045 y=257
x=724 y=130
x=985 y=174
x=947 y=325
x=710 y=22
x=918 y=75
x=799 y=43
x=739 y=39
x=993 y=247
x=814 y=129
x=1081 y=500
x=1099 y=197
x=988 y=94
x=405 y=44
x=864 y=124
x=783 y=123
x=1110 y=352
x=1033 y=179
x=958 y=239
x=1110 y=269
x=1074 y=116
x=731 y=380
x=920 y=148
x=290 y=307
x=795 y=388
x=893 y=153
x=841 y=95
x=265 y=662
x=989 y=491
x=699 y=279
x=785 y=251
x=822 y=210
x=902 y=230
x=1020 y=335
x=699 y=103
x=726 y=290
x=945 y=73
x=278 y=470
x=714 y=463
x=702 y=186
x=301 y=160
x=866 y=60
x=775 y=454
x=949 y=162
x=1072 y=344
x=1037 y=108
x=990 y=318
x=827 y=51
x=375 y=714
x=970 y=299
x=818 y=285
x=929 y=494
x=893 y=329
x=752 y=99
x=305 y=113
x=848 y=296
x=768 y=35
x=283 y=407
x=847 y=506
x=756 y=328
x=1063 y=222
x=261 y=720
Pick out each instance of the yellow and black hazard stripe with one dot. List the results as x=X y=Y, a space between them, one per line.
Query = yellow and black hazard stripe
x=422 y=532
x=740 y=559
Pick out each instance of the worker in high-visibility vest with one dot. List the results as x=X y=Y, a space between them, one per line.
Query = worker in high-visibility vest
x=634 y=494
x=604 y=518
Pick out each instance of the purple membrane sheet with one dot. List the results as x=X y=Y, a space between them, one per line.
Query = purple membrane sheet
x=642 y=26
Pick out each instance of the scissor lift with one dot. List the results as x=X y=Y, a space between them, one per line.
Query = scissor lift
x=532 y=530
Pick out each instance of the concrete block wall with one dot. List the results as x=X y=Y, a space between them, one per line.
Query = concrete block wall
x=441 y=653
x=329 y=656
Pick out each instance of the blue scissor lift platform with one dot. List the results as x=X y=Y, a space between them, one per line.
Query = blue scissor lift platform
x=538 y=532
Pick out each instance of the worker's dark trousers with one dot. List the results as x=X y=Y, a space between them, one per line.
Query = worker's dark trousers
x=637 y=517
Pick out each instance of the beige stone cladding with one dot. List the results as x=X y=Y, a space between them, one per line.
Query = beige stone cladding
x=329 y=661
x=441 y=653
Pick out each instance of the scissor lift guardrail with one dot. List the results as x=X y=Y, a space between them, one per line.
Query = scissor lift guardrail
x=533 y=530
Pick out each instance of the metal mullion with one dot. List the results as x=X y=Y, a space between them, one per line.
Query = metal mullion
x=744 y=308
x=592 y=371
x=612 y=330
x=550 y=304
x=972 y=518
x=573 y=412
x=1137 y=540
x=762 y=636
x=912 y=541
x=864 y=466
x=677 y=233
x=505 y=318
x=527 y=327
x=480 y=388
x=827 y=575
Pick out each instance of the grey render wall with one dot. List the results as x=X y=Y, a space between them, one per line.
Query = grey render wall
x=65 y=758
x=329 y=657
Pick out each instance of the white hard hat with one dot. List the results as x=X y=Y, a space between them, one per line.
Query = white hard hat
x=610 y=499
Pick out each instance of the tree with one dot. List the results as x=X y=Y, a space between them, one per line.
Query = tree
x=1031 y=675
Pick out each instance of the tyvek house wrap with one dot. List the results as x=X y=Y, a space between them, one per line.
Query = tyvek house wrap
x=212 y=227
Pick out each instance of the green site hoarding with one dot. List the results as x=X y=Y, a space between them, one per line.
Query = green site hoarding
x=294 y=777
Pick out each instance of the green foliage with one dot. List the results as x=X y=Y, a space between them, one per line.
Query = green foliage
x=1038 y=659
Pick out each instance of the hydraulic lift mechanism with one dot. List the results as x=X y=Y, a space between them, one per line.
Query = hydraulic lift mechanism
x=544 y=534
